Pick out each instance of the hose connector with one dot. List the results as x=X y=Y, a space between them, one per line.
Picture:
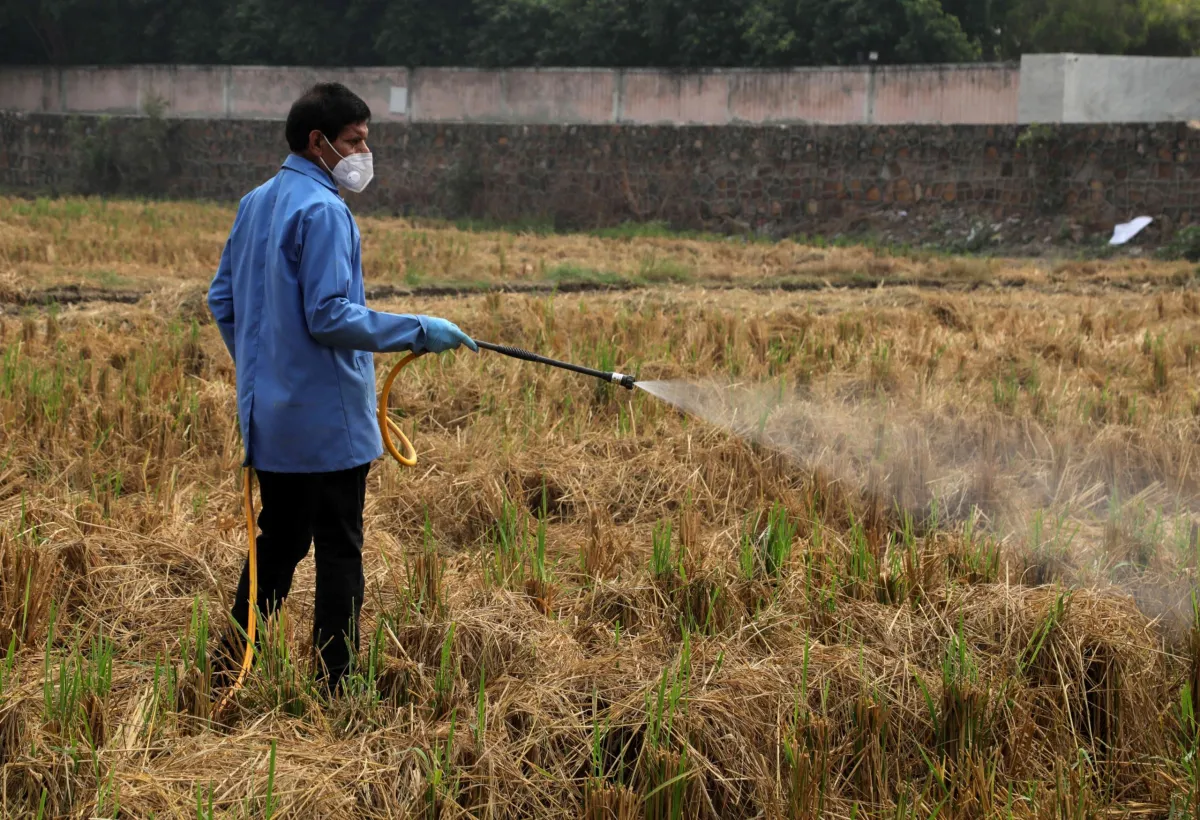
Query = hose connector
x=623 y=380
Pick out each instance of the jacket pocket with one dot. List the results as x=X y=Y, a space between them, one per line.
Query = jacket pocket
x=365 y=363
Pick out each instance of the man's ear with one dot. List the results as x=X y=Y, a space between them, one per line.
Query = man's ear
x=315 y=142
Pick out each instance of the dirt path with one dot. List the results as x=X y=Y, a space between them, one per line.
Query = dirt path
x=13 y=301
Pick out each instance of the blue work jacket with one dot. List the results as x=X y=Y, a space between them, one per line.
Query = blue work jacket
x=289 y=300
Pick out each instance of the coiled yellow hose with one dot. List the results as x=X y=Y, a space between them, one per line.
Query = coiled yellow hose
x=387 y=427
x=406 y=457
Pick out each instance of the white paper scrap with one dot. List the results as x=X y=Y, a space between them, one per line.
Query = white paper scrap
x=1123 y=233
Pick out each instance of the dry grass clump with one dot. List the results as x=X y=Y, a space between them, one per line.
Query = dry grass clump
x=946 y=572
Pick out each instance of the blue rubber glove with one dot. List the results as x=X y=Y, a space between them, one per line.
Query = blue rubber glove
x=441 y=336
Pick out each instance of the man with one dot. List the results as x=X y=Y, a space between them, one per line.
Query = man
x=289 y=300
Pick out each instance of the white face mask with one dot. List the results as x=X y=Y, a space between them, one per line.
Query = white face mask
x=354 y=172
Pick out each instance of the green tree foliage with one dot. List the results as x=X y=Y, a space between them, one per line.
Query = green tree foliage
x=983 y=22
x=908 y=31
x=77 y=31
x=515 y=32
x=1166 y=27
x=605 y=32
x=1085 y=26
x=622 y=33
x=1173 y=30
x=929 y=34
x=420 y=32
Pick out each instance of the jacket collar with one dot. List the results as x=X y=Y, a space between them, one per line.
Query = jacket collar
x=297 y=163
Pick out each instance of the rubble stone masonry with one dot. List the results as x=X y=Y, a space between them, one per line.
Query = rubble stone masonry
x=814 y=180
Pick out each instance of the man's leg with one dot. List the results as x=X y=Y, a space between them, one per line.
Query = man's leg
x=285 y=534
x=337 y=503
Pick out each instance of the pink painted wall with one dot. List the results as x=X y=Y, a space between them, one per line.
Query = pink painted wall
x=457 y=96
x=188 y=91
x=982 y=94
x=652 y=97
x=966 y=95
x=559 y=96
x=107 y=90
x=830 y=96
x=268 y=92
x=24 y=89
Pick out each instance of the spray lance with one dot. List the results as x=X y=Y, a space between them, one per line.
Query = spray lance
x=408 y=456
x=405 y=454
x=517 y=353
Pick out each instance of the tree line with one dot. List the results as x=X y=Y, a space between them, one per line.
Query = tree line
x=616 y=33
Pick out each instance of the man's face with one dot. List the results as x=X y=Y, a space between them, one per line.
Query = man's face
x=352 y=140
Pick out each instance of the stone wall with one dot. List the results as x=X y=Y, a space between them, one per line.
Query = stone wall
x=909 y=182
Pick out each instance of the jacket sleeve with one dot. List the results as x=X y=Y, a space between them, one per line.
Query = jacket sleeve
x=220 y=299
x=325 y=274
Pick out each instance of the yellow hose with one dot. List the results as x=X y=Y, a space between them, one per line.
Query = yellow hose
x=407 y=457
x=386 y=426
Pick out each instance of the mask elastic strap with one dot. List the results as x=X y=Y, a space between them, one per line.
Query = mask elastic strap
x=330 y=144
x=329 y=170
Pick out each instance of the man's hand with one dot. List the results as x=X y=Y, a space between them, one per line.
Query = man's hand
x=441 y=336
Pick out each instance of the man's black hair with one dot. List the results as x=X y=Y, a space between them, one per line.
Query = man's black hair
x=326 y=107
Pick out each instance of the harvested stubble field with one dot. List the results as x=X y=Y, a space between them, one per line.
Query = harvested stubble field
x=951 y=577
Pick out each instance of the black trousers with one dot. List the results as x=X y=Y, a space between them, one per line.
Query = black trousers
x=300 y=509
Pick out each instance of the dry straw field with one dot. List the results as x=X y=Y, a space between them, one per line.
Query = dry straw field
x=946 y=573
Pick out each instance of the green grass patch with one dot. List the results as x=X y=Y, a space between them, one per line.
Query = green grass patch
x=1185 y=244
x=536 y=225
x=659 y=270
x=643 y=230
x=570 y=273
x=105 y=278
x=658 y=229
